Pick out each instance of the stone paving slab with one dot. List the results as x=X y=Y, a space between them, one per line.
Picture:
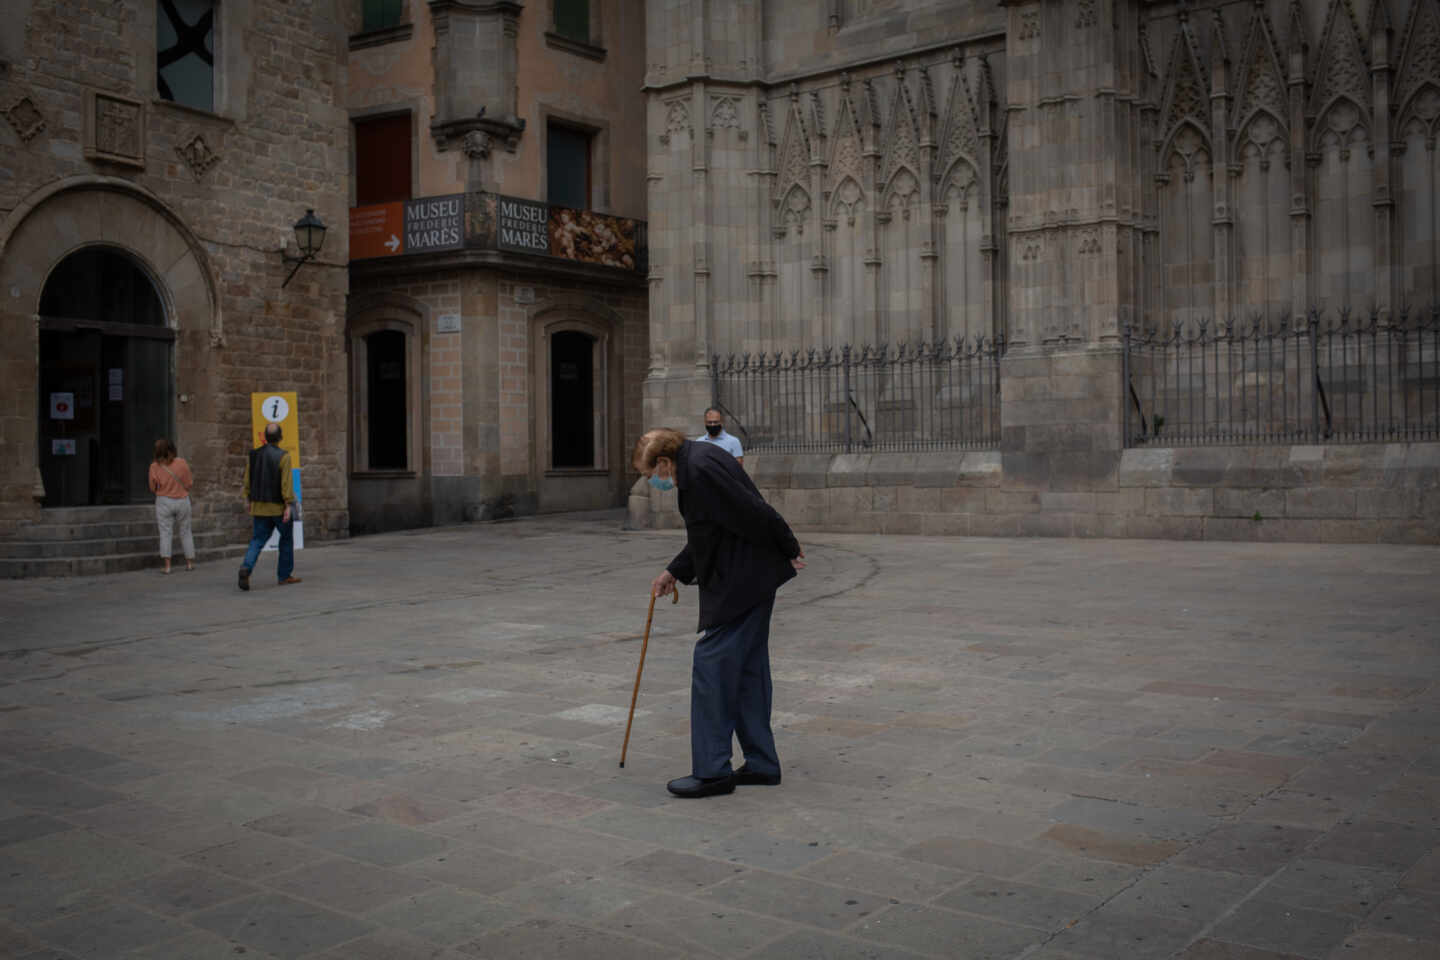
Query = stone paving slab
x=1012 y=749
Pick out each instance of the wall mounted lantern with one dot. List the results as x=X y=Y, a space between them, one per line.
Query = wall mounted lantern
x=309 y=238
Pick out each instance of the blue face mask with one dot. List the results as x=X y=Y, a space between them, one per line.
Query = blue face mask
x=661 y=483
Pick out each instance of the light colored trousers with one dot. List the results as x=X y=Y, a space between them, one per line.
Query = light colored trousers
x=170 y=512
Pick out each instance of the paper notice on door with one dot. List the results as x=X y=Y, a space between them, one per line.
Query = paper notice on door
x=62 y=446
x=62 y=406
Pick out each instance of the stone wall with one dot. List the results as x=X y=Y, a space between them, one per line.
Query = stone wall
x=1362 y=494
x=204 y=201
x=483 y=417
x=1047 y=172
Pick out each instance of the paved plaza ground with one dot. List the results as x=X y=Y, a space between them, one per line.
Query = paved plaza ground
x=1040 y=749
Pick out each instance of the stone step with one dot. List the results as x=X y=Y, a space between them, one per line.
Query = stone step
x=106 y=546
x=120 y=530
x=88 y=531
x=114 y=563
x=115 y=513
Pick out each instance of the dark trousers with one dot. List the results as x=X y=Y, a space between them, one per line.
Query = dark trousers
x=730 y=694
x=260 y=535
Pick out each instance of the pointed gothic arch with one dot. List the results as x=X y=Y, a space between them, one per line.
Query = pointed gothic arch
x=1417 y=162
x=902 y=139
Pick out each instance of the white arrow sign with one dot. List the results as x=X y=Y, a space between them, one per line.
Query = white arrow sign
x=393 y=243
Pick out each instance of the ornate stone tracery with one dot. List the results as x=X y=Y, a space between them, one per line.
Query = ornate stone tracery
x=1185 y=127
x=1261 y=107
x=902 y=138
x=961 y=137
x=1417 y=79
x=1340 y=94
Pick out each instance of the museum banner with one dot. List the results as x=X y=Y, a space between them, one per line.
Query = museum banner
x=516 y=225
x=492 y=221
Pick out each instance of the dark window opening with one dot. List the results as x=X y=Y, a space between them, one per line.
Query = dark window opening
x=387 y=400
x=379 y=14
x=101 y=285
x=185 y=52
x=567 y=155
x=382 y=159
x=572 y=400
x=572 y=19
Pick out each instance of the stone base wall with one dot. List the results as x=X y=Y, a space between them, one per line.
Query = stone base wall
x=203 y=201
x=483 y=420
x=1370 y=493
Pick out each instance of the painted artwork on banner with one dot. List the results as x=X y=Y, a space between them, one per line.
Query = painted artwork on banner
x=282 y=407
x=480 y=220
x=591 y=237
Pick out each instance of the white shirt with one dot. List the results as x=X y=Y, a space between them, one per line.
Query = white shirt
x=725 y=442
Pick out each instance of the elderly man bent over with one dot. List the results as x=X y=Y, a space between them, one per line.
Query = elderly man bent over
x=739 y=551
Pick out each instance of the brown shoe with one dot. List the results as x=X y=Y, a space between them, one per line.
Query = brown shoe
x=289 y=580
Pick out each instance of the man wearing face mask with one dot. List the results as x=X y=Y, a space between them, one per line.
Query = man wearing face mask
x=739 y=551
x=715 y=433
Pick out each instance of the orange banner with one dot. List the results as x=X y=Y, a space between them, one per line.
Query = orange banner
x=377 y=231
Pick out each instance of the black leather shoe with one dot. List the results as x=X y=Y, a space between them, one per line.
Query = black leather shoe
x=695 y=787
x=744 y=778
x=244 y=579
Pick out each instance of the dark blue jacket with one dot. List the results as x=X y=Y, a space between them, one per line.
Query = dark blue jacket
x=738 y=549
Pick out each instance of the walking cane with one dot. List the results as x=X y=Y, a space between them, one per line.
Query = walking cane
x=640 y=669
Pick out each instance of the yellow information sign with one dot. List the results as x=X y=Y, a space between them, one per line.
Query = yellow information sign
x=281 y=408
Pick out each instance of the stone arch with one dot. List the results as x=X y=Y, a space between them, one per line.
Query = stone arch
x=1343 y=121
x=559 y=488
x=963 y=176
x=1262 y=130
x=77 y=212
x=795 y=209
x=1187 y=141
x=1421 y=107
x=847 y=198
x=903 y=184
x=375 y=313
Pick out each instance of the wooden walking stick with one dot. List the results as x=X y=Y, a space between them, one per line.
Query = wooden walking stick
x=644 y=643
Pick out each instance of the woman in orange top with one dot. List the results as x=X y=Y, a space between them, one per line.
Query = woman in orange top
x=171 y=481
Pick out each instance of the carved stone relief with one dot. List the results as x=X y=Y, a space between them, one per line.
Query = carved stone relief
x=198 y=155
x=723 y=113
x=1342 y=72
x=25 y=117
x=114 y=129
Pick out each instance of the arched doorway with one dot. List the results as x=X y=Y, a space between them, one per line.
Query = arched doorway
x=106 y=378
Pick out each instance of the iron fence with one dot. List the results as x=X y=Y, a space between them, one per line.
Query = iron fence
x=944 y=395
x=1330 y=378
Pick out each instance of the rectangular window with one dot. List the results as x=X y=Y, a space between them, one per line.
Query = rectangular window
x=567 y=156
x=572 y=399
x=386 y=399
x=572 y=19
x=379 y=14
x=185 y=52
x=382 y=159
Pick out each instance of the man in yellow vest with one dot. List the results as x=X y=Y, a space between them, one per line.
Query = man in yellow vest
x=271 y=497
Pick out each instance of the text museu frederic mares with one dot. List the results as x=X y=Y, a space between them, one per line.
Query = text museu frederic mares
x=433 y=223
x=524 y=225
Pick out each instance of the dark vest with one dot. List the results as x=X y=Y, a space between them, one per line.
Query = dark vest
x=265 y=480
